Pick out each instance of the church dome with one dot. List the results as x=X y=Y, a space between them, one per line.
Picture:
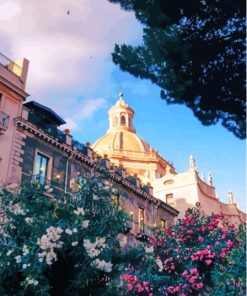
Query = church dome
x=121 y=140
x=121 y=134
x=125 y=148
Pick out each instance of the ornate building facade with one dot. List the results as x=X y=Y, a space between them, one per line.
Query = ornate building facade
x=125 y=148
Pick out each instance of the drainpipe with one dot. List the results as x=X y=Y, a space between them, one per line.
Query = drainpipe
x=66 y=172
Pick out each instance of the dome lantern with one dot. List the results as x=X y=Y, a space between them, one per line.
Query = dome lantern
x=121 y=116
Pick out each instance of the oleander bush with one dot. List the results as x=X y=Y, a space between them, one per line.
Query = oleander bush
x=200 y=255
x=54 y=244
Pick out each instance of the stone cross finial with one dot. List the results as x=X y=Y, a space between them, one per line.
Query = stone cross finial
x=120 y=95
x=210 y=179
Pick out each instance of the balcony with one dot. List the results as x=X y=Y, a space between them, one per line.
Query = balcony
x=4 y=122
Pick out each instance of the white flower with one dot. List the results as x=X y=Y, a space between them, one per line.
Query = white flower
x=85 y=224
x=74 y=244
x=94 y=249
x=114 y=190
x=18 y=259
x=102 y=265
x=68 y=231
x=9 y=252
x=25 y=250
x=160 y=265
x=28 y=220
x=95 y=197
x=17 y=210
x=59 y=245
x=75 y=230
x=51 y=256
x=79 y=211
x=31 y=281
x=24 y=266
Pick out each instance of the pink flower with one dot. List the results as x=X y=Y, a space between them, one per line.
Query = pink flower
x=237 y=284
x=130 y=287
x=208 y=262
x=216 y=243
x=177 y=289
x=223 y=255
x=185 y=273
x=229 y=243
x=201 y=239
x=193 y=271
x=150 y=294
x=139 y=288
x=170 y=289
x=192 y=280
x=199 y=285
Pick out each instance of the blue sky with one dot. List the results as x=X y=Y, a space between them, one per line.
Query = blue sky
x=72 y=72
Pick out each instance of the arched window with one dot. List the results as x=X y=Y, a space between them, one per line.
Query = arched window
x=123 y=120
x=115 y=121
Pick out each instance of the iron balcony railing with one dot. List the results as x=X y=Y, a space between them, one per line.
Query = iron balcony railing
x=4 y=121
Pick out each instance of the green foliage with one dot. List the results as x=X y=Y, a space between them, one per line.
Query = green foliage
x=59 y=245
x=231 y=278
x=195 y=52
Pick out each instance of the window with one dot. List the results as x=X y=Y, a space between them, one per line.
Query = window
x=169 y=199
x=141 y=219
x=123 y=120
x=163 y=224
x=41 y=168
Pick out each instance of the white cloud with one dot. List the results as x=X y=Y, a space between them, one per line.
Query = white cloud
x=86 y=110
x=69 y=55
x=9 y=10
x=65 y=51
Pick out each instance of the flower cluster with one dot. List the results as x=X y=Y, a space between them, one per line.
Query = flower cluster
x=79 y=211
x=135 y=285
x=102 y=265
x=31 y=281
x=185 y=256
x=94 y=249
x=17 y=209
x=206 y=255
x=48 y=242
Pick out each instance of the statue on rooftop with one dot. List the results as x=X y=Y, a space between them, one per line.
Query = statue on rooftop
x=230 y=197
x=192 y=163
x=210 y=179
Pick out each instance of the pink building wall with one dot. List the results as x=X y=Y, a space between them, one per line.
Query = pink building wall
x=12 y=92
